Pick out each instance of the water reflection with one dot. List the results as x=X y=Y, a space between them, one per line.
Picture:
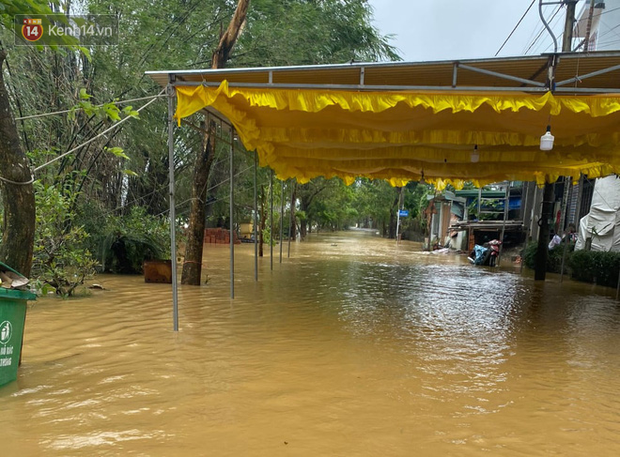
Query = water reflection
x=353 y=346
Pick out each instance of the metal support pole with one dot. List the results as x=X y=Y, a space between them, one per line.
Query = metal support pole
x=566 y=241
x=290 y=223
x=271 y=221
x=255 y=216
x=566 y=196
x=281 y=218
x=400 y=193
x=232 y=207
x=534 y=227
x=173 y=241
x=577 y=220
x=506 y=210
x=527 y=235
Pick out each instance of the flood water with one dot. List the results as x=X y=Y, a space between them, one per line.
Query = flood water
x=352 y=347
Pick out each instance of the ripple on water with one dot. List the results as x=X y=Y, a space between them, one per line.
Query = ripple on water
x=353 y=346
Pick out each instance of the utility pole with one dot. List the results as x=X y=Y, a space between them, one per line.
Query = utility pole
x=540 y=270
x=586 y=42
x=567 y=40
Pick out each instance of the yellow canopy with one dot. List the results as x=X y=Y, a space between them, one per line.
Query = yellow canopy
x=403 y=135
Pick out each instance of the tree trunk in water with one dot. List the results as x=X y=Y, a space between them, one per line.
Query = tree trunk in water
x=540 y=265
x=192 y=266
x=18 y=228
x=193 y=252
x=303 y=224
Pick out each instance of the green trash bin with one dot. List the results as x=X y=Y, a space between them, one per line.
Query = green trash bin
x=12 y=320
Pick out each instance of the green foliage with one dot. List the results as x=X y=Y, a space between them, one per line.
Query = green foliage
x=373 y=200
x=127 y=241
x=9 y=8
x=497 y=206
x=597 y=267
x=61 y=259
x=267 y=236
x=295 y=32
x=554 y=257
x=301 y=215
x=128 y=167
x=416 y=199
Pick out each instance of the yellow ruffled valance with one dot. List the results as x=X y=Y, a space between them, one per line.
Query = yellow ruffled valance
x=401 y=136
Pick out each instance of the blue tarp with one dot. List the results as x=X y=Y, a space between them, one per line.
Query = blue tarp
x=479 y=254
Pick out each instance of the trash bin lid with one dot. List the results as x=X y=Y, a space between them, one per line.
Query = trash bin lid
x=15 y=293
x=4 y=266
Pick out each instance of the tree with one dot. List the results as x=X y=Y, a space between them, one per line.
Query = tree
x=192 y=268
x=274 y=32
x=281 y=33
x=376 y=201
x=16 y=181
x=307 y=193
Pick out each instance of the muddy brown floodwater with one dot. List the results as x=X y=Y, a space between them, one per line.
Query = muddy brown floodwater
x=352 y=347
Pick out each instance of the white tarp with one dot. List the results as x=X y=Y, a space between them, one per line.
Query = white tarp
x=602 y=223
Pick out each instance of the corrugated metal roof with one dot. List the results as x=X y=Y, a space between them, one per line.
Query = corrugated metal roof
x=440 y=74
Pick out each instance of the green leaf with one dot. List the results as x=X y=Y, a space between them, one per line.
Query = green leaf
x=84 y=95
x=112 y=112
x=118 y=152
x=129 y=111
x=86 y=52
x=130 y=173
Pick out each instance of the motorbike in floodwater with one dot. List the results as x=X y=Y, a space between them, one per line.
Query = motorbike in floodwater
x=485 y=255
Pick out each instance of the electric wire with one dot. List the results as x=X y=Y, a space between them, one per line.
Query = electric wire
x=96 y=136
x=209 y=189
x=542 y=31
x=120 y=102
x=515 y=27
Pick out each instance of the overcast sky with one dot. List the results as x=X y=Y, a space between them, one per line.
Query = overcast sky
x=462 y=29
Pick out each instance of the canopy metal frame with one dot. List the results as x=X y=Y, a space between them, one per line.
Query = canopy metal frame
x=579 y=73
x=589 y=73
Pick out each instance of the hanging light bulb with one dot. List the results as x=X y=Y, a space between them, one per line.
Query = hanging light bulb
x=546 y=141
x=475 y=155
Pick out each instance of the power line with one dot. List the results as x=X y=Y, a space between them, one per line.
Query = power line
x=543 y=30
x=209 y=189
x=515 y=27
x=97 y=136
x=35 y=116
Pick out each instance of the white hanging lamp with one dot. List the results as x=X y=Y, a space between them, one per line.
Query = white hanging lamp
x=474 y=156
x=546 y=141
